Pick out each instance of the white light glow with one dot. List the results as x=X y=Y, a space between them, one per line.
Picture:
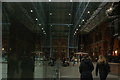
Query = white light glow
x=3 y=49
x=36 y=19
x=88 y=12
x=50 y=13
x=111 y=9
x=83 y=20
x=39 y=24
x=42 y=28
x=116 y=51
x=31 y=10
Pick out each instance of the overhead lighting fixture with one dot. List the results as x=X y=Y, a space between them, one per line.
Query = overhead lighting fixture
x=83 y=20
x=77 y=29
x=88 y=12
x=42 y=28
x=50 y=25
x=69 y=14
x=50 y=13
x=79 y=25
x=31 y=10
x=44 y=31
x=39 y=24
x=36 y=19
x=50 y=0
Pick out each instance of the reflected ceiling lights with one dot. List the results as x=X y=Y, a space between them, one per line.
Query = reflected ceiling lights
x=88 y=12
x=31 y=10
x=50 y=13
x=79 y=25
x=36 y=19
x=39 y=24
x=83 y=20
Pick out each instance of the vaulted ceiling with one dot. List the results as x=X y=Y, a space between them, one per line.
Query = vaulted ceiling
x=56 y=19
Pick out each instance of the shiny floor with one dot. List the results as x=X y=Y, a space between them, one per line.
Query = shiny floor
x=43 y=70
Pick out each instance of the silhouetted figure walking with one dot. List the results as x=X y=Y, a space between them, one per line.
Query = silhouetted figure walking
x=12 y=66
x=103 y=68
x=86 y=68
x=27 y=67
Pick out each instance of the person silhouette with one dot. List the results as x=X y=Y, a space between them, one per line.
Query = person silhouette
x=86 y=67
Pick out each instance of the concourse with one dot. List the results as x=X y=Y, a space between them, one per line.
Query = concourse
x=50 y=40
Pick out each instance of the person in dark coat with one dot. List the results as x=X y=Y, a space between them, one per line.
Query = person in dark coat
x=103 y=68
x=27 y=67
x=86 y=67
x=13 y=66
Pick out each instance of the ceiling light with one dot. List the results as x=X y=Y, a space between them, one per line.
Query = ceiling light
x=76 y=29
x=42 y=28
x=50 y=13
x=36 y=19
x=79 y=25
x=44 y=31
x=50 y=25
x=39 y=24
x=88 y=12
x=31 y=10
x=83 y=20
x=50 y=0
x=69 y=14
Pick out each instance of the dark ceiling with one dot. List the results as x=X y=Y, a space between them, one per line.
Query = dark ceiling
x=56 y=19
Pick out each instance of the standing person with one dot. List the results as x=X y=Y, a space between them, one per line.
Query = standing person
x=86 y=67
x=13 y=66
x=73 y=60
x=103 y=68
x=27 y=67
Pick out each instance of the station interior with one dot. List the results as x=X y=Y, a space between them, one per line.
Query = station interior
x=49 y=33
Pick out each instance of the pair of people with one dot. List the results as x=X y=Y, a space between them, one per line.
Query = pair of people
x=86 y=68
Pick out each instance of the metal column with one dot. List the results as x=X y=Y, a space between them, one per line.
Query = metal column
x=50 y=43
